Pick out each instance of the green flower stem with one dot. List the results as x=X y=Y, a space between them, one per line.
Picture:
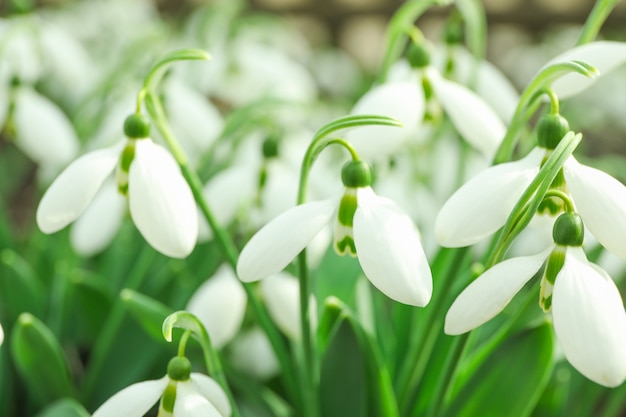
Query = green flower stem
x=182 y=343
x=528 y=102
x=569 y=205
x=601 y=10
x=320 y=141
x=530 y=200
x=224 y=241
x=475 y=20
x=108 y=334
x=446 y=381
x=398 y=30
x=423 y=343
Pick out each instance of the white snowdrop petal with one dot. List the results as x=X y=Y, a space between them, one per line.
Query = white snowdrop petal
x=601 y=202
x=472 y=117
x=161 y=203
x=74 y=188
x=1 y=334
x=389 y=250
x=605 y=56
x=134 y=400
x=226 y=194
x=213 y=392
x=481 y=206
x=220 y=304
x=488 y=294
x=273 y=247
x=403 y=101
x=589 y=321
x=190 y=403
x=43 y=131
x=251 y=353
x=193 y=118
x=98 y=225
x=281 y=293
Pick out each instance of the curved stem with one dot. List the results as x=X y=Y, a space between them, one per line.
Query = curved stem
x=601 y=10
x=182 y=344
x=224 y=241
x=569 y=205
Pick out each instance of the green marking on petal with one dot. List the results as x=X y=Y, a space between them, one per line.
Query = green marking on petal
x=347 y=208
x=345 y=246
x=169 y=398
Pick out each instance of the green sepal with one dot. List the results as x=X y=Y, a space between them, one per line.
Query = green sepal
x=67 y=407
x=356 y=174
x=148 y=312
x=179 y=368
x=137 y=126
x=551 y=128
x=568 y=230
x=496 y=388
x=39 y=359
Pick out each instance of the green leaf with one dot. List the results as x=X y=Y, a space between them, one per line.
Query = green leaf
x=511 y=381
x=376 y=377
x=343 y=385
x=66 y=407
x=20 y=287
x=149 y=312
x=39 y=359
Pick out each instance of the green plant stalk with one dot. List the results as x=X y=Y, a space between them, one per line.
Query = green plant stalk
x=600 y=12
x=398 y=30
x=224 y=241
x=445 y=383
x=109 y=331
x=528 y=102
x=475 y=20
x=422 y=344
x=530 y=200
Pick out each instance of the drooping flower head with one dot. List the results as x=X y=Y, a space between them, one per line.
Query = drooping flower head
x=182 y=393
x=372 y=228
x=587 y=309
x=160 y=200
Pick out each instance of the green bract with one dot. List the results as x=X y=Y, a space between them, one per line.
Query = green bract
x=356 y=174
x=179 y=368
x=137 y=126
x=568 y=230
x=551 y=129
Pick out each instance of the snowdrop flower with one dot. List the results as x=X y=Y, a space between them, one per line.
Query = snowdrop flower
x=182 y=393
x=251 y=353
x=161 y=204
x=472 y=117
x=587 y=309
x=220 y=304
x=373 y=228
x=481 y=206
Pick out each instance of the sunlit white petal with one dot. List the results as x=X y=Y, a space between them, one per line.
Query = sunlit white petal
x=601 y=202
x=389 y=250
x=212 y=391
x=488 y=294
x=605 y=56
x=273 y=247
x=98 y=225
x=134 y=400
x=74 y=188
x=252 y=354
x=472 y=117
x=403 y=101
x=281 y=293
x=481 y=206
x=190 y=403
x=220 y=304
x=161 y=203
x=590 y=322
x=43 y=131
